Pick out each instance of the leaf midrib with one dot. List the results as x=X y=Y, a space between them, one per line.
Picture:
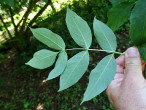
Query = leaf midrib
x=107 y=41
x=75 y=68
x=47 y=56
x=55 y=66
x=101 y=74
x=78 y=29
x=51 y=41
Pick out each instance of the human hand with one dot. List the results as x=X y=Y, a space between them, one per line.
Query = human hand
x=127 y=91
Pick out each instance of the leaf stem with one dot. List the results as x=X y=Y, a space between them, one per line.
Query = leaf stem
x=95 y=50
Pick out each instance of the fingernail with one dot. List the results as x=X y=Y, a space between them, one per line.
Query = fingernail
x=132 y=52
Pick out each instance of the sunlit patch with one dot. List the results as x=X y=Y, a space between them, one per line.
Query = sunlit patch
x=42 y=83
x=39 y=107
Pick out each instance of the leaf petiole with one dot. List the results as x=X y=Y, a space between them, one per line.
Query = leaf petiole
x=95 y=50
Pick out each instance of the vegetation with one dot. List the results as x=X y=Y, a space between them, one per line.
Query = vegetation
x=23 y=87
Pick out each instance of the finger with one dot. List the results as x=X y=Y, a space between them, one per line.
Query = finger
x=118 y=76
x=121 y=60
x=120 y=69
x=133 y=65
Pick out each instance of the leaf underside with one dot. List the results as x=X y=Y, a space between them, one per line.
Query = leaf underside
x=79 y=29
x=42 y=59
x=49 y=38
x=59 y=66
x=76 y=67
x=72 y=70
x=104 y=35
x=100 y=77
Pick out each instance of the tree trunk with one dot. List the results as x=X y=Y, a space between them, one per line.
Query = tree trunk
x=10 y=36
x=52 y=6
x=35 y=17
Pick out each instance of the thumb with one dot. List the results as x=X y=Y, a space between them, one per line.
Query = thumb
x=133 y=65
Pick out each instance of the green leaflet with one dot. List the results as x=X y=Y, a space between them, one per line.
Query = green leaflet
x=118 y=15
x=76 y=67
x=8 y=2
x=49 y=38
x=115 y=2
x=45 y=1
x=78 y=29
x=100 y=77
x=142 y=50
x=138 y=23
x=59 y=66
x=42 y=59
x=104 y=35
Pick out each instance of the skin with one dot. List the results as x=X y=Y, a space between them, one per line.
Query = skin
x=127 y=91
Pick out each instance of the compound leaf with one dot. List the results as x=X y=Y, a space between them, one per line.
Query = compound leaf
x=42 y=59
x=59 y=66
x=100 y=77
x=49 y=38
x=118 y=15
x=142 y=50
x=138 y=23
x=78 y=29
x=104 y=35
x=76 y=67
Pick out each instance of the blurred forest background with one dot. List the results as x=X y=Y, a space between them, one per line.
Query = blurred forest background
x=23 y=87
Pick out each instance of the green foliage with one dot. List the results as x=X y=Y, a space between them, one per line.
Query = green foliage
x=42 y=59
x=17 y=93
x=35 y=92
x=76 y=67
x=8 y=2
x=118 y=15
x=104 y=36
x=49 y=38
x=45 y=1
x=78 y=64
x=138 y=23
x=78 y=29
x=116 y=1
x=142 y=50
x=59 y=66
x=100 y=77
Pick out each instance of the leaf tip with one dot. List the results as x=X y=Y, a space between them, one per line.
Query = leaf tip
x=82 y=102
x=46 y=79
x=27 y=63
x=49 y=78
x=68 y=10
x=59 y=90
x=95 y=18
x=30 y=28
x=67 y=7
